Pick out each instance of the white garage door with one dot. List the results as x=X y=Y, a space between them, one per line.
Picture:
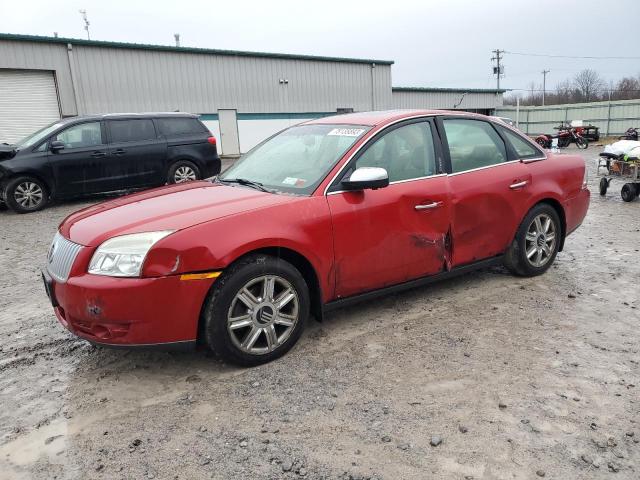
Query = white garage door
x=28 y=101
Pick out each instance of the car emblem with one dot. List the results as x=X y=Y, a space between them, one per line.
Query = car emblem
x=266 y=315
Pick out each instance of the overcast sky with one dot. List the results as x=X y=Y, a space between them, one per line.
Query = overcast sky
x=444 y=43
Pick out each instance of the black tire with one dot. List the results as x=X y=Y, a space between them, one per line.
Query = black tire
x=628 y=192
x=179 y=171
x=222 y=300
x=604 y=185
x=26 y=194
x=582 y=143
x=516 y=259
x=542 y=142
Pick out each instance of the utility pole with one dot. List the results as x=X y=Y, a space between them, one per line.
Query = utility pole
x=544 y=83
x=498 y=69
x=177 y=37
x=86 y=22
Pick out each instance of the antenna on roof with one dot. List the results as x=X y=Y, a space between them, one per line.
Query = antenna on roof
x=86 y=22
x=177 y=37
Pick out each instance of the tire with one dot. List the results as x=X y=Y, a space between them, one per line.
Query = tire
x=604 y=185
x=26 y=195
x=531 y=235
x=261 y=332
x=582 y=143
x=183 y=171
x=628 y=192
x=542 y=142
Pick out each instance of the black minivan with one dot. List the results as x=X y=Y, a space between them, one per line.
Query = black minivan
x=105 y=153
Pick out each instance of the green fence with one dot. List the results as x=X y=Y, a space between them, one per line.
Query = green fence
x=613 y=118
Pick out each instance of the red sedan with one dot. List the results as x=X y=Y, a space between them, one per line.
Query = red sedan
x=328 y=212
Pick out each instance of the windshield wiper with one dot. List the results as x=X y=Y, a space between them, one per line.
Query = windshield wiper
x=246 y=182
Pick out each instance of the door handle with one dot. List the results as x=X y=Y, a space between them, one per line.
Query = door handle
x=98 y=154
x=517 y=185
x=428 y=206
x=120 y=151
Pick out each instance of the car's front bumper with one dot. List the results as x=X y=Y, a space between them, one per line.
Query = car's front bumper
x=158 y=312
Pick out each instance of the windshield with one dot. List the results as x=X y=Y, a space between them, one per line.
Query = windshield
x=297 y=159
x=31 y=140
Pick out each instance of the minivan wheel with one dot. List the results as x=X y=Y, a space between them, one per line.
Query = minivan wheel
x=26 y=194
x=536 y=243
x=183 y=171
x=256 y=311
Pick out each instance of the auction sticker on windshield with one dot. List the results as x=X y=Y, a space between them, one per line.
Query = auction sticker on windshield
x=347 y=132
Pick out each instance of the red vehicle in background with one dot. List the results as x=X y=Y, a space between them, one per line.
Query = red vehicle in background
x=329 y=212
x=565 y=136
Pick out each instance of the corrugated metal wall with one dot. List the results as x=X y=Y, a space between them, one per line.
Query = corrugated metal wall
x=407 y=98
x=613 y=118
x=136 y=80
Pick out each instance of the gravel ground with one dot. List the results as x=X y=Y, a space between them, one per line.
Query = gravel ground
x=486 y=376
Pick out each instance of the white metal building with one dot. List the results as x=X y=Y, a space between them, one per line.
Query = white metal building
x=242 y=97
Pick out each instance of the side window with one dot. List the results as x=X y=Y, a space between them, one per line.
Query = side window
x=131 y=130
x=180 y=126
x=473 y=144
x=523 y=148
x=406 y=152
x=81 y=136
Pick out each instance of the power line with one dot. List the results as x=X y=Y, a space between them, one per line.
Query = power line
x=584 y=57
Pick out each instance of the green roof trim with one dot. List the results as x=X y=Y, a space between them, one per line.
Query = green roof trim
x=168 y=48
x=447 y=90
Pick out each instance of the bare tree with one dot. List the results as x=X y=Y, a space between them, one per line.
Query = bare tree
x=627 y=88
x=588 y=85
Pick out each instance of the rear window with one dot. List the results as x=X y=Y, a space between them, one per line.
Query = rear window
x=180 y=126
x=132 y=130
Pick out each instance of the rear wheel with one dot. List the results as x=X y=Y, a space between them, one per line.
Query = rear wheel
x=26 y=194
x=628 y=192
x=183 y=171
x=536 y=243
x=256 y=310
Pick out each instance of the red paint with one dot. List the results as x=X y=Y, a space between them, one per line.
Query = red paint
x=355 y=241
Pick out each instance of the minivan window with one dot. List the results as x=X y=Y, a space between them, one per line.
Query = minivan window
x=473 y=144
x=131 y=130
x=180 y=126
x=39 y=135
x=82 y=135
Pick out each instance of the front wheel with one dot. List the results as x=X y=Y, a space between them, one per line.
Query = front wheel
x=604 y=186
x=256 y=310
x=536 y=243
x=582 y=143
x=542 y=142
x=26 y=194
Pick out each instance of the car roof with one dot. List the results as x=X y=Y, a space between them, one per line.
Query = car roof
x=385 y=116
x=121 y=116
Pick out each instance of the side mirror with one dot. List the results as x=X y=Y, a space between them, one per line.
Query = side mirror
x=366 y=178
x=56 y=146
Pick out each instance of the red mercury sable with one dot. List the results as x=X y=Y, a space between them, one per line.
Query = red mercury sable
x=328 y=212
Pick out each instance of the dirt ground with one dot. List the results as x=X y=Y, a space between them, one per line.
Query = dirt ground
x=514 y=378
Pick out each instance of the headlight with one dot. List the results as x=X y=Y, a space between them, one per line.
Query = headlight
x=123 y=256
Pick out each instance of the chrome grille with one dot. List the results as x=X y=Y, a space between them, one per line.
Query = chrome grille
x=61 y=256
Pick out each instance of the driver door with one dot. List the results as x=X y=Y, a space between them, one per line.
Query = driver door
x=397 y=233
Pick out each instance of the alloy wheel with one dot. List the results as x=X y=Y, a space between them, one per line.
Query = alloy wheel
x=263 y=314
x=28 y=195
x=540 y=241
x=184 y=174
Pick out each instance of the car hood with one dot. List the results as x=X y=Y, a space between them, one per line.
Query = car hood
x=166 y=208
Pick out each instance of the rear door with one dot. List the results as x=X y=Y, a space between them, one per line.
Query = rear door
x=137 y=155
x=489 y=188
x=82 y=166
x=397 y=233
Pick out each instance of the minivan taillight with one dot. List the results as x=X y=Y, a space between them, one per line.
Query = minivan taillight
x=211 y=140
